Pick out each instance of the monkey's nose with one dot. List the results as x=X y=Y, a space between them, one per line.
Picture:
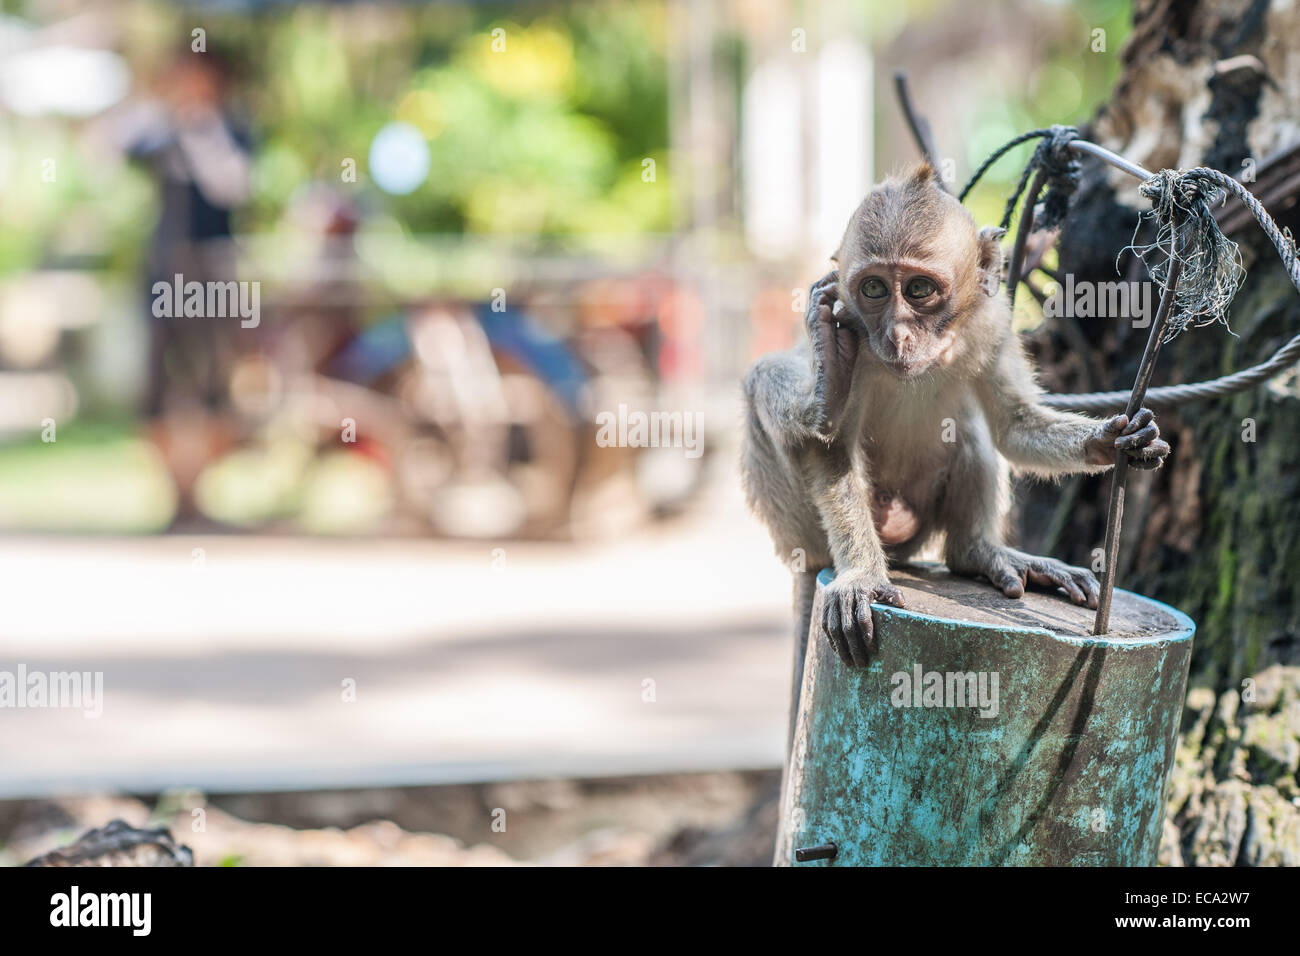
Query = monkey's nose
x=901 y=336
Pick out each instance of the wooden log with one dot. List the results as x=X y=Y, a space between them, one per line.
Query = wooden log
x=987 y=731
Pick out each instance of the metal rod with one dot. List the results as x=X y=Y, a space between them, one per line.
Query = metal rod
x=1022 y=234
x=1115 y=159
x=822 y=851
x=1119 y=478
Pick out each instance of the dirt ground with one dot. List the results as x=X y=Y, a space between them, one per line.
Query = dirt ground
x=705 y=819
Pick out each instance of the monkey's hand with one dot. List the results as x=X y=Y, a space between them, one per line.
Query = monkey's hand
x=1012 y=571
x=834 y=350
x=1140 y=439
x=846 y=614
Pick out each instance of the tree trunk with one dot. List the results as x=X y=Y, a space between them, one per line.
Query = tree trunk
x=1216 y=533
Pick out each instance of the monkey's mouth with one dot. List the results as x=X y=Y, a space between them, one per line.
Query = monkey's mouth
x=907 y=370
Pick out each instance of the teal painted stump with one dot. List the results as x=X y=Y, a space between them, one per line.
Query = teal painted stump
x=988 y=731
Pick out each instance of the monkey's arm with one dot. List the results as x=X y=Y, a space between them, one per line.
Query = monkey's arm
x=800 y=399
x=801 y=394
x=843 y=498
x=1048 y=442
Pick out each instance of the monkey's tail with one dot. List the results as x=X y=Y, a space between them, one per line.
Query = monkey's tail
x=805 y=591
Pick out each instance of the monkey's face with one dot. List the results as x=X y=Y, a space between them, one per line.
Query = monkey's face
x=912 y=267
x=906 y=311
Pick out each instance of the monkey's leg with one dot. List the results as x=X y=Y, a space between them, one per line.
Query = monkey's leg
x=1011 y=571
x=776 y=487
x=973 y=515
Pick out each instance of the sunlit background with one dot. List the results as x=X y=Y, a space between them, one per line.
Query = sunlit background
x=474 y=227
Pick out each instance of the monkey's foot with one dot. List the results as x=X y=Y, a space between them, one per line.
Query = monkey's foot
x=846 y=615
x=1011 y=571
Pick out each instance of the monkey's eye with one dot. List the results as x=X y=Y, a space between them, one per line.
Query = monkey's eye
x=920 y=288
x=874 y=288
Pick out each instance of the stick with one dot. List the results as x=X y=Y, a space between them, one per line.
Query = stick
x=1115 y=512
x=1022 y=235
x=915 y=122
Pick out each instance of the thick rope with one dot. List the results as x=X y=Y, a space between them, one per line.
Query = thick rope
x=1164 y=396
x=1281 y=239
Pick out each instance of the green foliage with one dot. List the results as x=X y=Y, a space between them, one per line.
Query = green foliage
x=541 y=137
x=97 y=477
x=545 y=137
x=1066 y=85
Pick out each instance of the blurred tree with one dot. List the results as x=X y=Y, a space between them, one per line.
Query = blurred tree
x=1217 y=531
x=539 y=134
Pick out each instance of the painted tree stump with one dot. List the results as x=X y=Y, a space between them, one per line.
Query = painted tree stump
x=987 y=731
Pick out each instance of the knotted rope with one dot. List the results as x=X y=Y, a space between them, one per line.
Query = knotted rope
x=1061 y=171
x=1211 y=264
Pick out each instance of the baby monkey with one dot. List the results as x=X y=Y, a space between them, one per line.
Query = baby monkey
x=895 y=423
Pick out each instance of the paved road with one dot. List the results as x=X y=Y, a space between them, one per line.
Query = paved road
x=224 y=668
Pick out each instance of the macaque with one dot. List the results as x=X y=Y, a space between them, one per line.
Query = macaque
x=894 y=425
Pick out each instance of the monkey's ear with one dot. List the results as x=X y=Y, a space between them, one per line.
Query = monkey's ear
x=924 y=173
x=990 y=258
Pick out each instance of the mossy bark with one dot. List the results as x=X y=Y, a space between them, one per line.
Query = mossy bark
x=1216 y=533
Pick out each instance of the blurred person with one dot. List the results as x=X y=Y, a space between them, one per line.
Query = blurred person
x=323 y=314
x=199 y=158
